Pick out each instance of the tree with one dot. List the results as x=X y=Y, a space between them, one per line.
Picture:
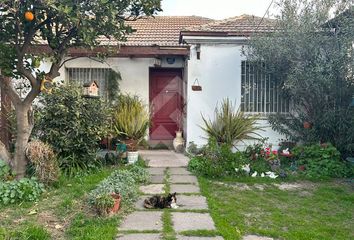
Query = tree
x=310 y=53
x=58 y=25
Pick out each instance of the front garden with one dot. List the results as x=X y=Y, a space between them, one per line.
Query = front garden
x=72 y=189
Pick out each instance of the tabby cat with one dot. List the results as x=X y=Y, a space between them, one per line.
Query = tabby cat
x=161 y=201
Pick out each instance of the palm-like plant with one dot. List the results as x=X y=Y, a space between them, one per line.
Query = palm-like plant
x=231 y=126
x=131 y=119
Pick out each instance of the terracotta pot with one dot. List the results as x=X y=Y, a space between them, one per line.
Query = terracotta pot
x=307 y=125
x=302 y=167
x=117 y=200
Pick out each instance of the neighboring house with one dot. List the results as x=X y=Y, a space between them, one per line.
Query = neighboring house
x=167 y=55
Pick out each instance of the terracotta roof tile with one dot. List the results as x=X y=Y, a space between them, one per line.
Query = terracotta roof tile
x=158 y=30
x=240 y=25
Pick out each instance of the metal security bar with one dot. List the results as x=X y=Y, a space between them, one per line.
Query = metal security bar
x=259 y=91
x=81 y=76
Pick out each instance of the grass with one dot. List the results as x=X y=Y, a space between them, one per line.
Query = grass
x=61 y=213
x=168 y=231
x=323 y=211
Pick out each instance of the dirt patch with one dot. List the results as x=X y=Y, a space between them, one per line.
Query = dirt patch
x=295 y=186
x=52 y=224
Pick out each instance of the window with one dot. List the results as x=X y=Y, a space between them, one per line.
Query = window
x=81 y=76
x=259 y=91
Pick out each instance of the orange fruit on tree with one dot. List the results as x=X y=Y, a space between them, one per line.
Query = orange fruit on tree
x=29 y=16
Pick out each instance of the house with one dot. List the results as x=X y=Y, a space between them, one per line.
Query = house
x=167 y=55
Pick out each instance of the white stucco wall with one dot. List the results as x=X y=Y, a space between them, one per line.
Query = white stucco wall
x=134 y=71
x=219 y=74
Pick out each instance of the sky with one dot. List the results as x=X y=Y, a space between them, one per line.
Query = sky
x=216 y=9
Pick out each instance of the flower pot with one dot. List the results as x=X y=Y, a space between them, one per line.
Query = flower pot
x=178 y=142
x=132 y=157
x=117 y=200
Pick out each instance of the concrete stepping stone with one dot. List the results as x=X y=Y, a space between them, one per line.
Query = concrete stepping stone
x=185 y=221
x=179 y=171
x=145 y=236
x=191 y=202
x=183 y=179
x=157 y=179
x=199 y=238
x=255 y=237
x=139 y=205
x=142 y=221
x=184 y=188
x=152 y=189
x=157 y=171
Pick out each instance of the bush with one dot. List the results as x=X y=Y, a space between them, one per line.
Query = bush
x=321 y=161
x=217 y=160
x=125 y=182
x=21 y=190
x=44 y=160
x=230 y=126
x=73 y=125
x=140 y=174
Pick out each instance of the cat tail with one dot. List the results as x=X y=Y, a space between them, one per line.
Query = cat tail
x=147 y=204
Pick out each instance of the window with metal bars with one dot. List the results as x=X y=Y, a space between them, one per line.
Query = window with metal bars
x=259 y=91
x=81 y=76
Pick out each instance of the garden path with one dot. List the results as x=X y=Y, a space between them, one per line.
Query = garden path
x=169 y=174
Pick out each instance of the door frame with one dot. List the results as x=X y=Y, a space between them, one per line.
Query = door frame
x=179 y=70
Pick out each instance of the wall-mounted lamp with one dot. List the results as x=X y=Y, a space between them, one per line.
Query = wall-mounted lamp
x=197 y=49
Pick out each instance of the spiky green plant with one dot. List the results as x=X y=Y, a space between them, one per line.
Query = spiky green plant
x=131 y=118
x=231 y=126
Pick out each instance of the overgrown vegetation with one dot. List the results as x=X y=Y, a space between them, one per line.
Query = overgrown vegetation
x=73 y=125
x=124 y=182
x=18 y=191
x=322 y=161
x=311 y=57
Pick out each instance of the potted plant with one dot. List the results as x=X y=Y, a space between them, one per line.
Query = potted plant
x=131 y=120
x=106 y=204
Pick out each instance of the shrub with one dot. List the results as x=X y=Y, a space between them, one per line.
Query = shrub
x=21 y=190
x=230 y=126
x=140 y=174
x=321 y=161
x=125 y=182
x=131 y=119
x=217 y=160
x=45 y=163
x=72 y=125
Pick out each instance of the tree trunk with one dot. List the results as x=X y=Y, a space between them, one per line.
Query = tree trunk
x=24 y=129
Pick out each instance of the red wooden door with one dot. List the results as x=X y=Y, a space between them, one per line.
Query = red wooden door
x=166 y=102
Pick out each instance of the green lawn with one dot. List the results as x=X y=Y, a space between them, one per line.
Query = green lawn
x=61 y=213
x=322 y=210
